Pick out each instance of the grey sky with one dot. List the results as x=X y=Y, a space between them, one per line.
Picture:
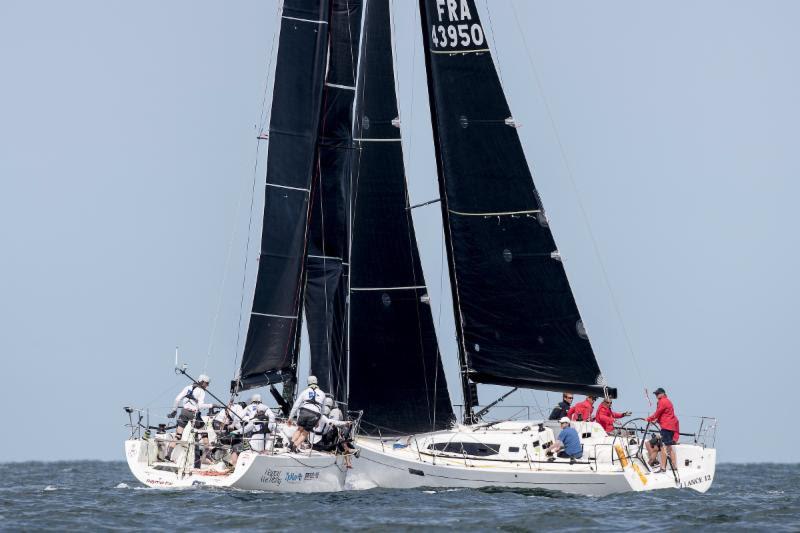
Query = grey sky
x=127 y=140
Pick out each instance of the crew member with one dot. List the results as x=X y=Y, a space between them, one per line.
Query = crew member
x=665 y=417
x=605 y=416
x=258 y=427
x=560 y=410
x=307 y=409
x=568 y=443
x=582 y=411
x=191 y=399
x=250 y=410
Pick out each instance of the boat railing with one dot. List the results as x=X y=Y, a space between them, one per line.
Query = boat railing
x=501 y=412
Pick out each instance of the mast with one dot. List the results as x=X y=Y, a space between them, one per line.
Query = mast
x=517 y=321
x=469 y=391
x=270 y=351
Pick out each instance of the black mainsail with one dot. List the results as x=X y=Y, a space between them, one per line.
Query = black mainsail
x=327 y=261
x=395 y=370
x=516 y=318
x=270 y=350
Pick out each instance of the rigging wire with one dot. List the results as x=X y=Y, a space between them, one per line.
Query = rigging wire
x=575 y=190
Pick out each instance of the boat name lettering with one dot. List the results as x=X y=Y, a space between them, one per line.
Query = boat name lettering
x=449 y=33
x=159 y=482
x=272 y=476
x=294 y=477
x=697 y=480
x=311 y=475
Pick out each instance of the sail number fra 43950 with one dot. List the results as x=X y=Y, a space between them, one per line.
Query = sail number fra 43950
x=449 y=33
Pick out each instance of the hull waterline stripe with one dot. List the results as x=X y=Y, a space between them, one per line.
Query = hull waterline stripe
x=274 y=316
x=503 y=213
x=411 y=287
x=287 y=187
x=306 y=20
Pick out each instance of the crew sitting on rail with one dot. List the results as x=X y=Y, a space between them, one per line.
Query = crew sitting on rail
x=229 y=419
x=259 y=426
x=605 y=416
x=567 y=445
x=308 y=410
x=582 y=411
x=191 y=399
x=561 y=410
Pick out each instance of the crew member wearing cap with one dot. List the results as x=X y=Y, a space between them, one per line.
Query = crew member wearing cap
x=605 y=416
x=257 y=428
x=568 y=444
x=308 y=410
x=191 y=400
x=670 y=427
x=250 y=410
x=583 y=410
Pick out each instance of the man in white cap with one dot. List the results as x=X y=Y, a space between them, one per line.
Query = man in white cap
x=257 y=428
x=568 y=445
x=250 y=410
x=191 y=400
x=307 y=409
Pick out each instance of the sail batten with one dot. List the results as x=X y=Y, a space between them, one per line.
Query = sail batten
x=516 y=318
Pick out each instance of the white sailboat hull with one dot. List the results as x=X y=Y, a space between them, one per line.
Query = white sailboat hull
x=598 y=473
x=279 y=472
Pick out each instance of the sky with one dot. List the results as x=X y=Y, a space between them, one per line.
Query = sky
x=663 y=137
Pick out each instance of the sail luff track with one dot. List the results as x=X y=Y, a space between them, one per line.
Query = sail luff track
x=270 y=351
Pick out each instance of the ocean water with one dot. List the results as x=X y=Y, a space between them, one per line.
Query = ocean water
x=91 y=496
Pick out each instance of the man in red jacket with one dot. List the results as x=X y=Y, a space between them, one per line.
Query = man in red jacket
x=582 y=410
x=605 y=416
x=670 y=427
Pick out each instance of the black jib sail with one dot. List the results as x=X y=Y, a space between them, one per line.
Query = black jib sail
x=327 y=266
x=272 y=335
x=517 y=321
x=396 y=374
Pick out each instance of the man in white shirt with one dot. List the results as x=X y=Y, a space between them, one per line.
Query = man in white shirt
x=250 y=410
x=191 y=400
x=259 y=426
x=307 y=409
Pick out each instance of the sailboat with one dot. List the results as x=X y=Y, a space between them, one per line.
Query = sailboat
x=339 y=251
x=516 y=319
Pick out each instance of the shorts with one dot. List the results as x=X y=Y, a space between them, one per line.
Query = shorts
x=667 y=437
x=307 y=419
x=565 y=455
x=185 y=417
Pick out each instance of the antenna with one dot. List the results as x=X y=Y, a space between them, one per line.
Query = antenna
x=176 y=356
